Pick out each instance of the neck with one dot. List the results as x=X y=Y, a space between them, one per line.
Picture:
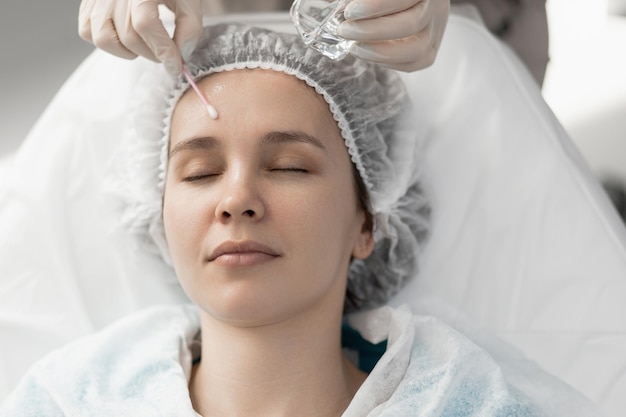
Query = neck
x=295 y=367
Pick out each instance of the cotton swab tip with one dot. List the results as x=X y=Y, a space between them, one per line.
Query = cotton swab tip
x=210 y=109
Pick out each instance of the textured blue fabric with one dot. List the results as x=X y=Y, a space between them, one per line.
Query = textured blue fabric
x=141 y=365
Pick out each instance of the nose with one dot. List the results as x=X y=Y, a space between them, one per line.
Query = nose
x=240 y=199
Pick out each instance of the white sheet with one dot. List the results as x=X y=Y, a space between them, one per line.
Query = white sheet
x=5 y=165
x=427 y=367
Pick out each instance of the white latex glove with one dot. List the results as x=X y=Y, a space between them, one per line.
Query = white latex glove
x=399 y=34
x=128 y=28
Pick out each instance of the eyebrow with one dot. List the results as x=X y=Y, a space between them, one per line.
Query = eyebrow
x=203 y=143
x=275 y=137
x=292 y=136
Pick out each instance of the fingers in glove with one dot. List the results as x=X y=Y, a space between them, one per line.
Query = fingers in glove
x=394 y=26
x=104 y=33
x=145 y=20
x=368 y=9
x=188 y=21
x=123 y=18
x=408 y=54
x=84 y=20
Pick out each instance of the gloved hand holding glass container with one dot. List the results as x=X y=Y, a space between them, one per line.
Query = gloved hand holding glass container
x=399 y=34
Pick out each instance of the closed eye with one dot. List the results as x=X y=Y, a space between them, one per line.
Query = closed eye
x=200 y=177
x=291 y=169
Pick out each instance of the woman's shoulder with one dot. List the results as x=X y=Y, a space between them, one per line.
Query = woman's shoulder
x=138 y=333
x=144 y=356
x=448 y=364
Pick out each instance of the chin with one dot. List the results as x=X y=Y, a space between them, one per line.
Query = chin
x=247 y=307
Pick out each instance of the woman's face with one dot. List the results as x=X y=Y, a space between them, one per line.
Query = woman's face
x=260 y=205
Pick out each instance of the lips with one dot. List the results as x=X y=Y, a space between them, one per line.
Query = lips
x=243 y=253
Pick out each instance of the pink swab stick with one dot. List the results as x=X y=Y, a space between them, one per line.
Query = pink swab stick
x=209 y=107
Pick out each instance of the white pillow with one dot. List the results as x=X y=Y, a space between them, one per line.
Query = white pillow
x=524 y=241
x=5 y=165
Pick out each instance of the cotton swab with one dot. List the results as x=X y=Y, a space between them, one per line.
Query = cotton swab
x=212 y=111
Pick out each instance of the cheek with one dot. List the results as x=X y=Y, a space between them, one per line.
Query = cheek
x=326 y=215
x=183 y=216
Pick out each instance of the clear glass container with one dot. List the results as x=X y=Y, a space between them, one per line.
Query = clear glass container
x=317 y=22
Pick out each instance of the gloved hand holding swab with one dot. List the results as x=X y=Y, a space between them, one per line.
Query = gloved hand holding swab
x=212 y=111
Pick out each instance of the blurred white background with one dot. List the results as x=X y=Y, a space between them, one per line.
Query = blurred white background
x=585 y=83
x=586 y=79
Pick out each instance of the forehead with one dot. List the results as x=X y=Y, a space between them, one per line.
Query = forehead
x=252 y=99
x=245 y=87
